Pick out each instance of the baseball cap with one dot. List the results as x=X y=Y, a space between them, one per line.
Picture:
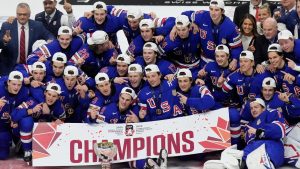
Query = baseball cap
x=101 y=77
x=38 y=66
x=274 y=48
x=217 y=3
x=123 y=58
x=150 y=45
x=59 y=57
x=98 y=37
x=182 y=21
x=135 y=68
x=15 y=75
x=38 y=44
x=247 y=55
x=64 y=30
x=151 y=68
x=129 y=91
x=285 y=34
x=54 y=87
x=146 y=24
x=259 y=101
x=71 y=71
x=184 y=73
x=222 y=48
x=99 y=5
x=269 y=82
x=134 y=14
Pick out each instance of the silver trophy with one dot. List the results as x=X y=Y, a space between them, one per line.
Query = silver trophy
x=106 y=151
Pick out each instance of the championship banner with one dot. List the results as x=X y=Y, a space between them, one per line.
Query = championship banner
x=162 y=2
x=72 y=144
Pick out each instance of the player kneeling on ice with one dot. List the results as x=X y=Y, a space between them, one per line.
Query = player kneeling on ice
x=30 y=111
x=263 y=137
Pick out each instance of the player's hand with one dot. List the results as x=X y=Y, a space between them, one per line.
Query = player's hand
x=6 y=37
x=10 y=19
x=42 y=59
x=121 y=80
x=132 y=118
x=288 y=77
x=251 y=130
x=36 y=84
x=2 y=102
x=13 y=125
x=182 y=98
x=27 y=80
x=291 y=63
x=111 y=45
x=200 y=82
x=142 y=114
x=202 y=72
x=260 y=68
x=91 y=94
x=88 y=14
x=78 y=30
x=195 y=28
x=46 y=109
x=221 y=80
x=80 y=62
x=67 y=6
x=284 y=96
x=170 y=77
x=152 y=15
x=173 y=33
x=37 y=108
x=81 y=79
x=158 y=38
x=233 y=65
x=113 y=60
x=271 y=68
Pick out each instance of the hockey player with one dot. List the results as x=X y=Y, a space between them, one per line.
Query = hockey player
x=151 y=56
x=158 y=101
x=193 y=97
x=286 y=78
x=291 y=48
x=99 y=21
x=215 y=29
x=246 y=81
x=31 y=111
x=64 y=43
x=215 y=73
x=184 y=51
x=264 y=146
x=124 y=111
x=119 y=72
x=94 y=55
x=135 y=77
x=106 y=93
x=12 y=94
x=148 y=34
x=70 y=97
x=55 y=68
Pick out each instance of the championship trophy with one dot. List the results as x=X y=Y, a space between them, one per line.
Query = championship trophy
x=106 y=151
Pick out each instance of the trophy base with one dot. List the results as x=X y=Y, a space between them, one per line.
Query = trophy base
x=106 y=166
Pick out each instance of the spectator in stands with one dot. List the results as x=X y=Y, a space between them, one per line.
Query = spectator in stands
x=53 y=19
x=17 y=38
x=249 y=33
x=264 y=12
x=251 y=7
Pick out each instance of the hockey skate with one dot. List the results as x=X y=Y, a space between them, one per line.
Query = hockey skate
x=161 y=162
x=27 y=157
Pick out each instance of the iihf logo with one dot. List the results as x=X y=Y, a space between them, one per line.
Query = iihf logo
x=129 y=130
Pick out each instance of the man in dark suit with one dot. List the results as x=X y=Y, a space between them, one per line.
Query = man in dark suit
x=249 y=7
x=262 y=42
x=17 y=38
x=53 y=19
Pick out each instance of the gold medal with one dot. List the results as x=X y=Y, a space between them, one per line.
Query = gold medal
x=158 y=111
